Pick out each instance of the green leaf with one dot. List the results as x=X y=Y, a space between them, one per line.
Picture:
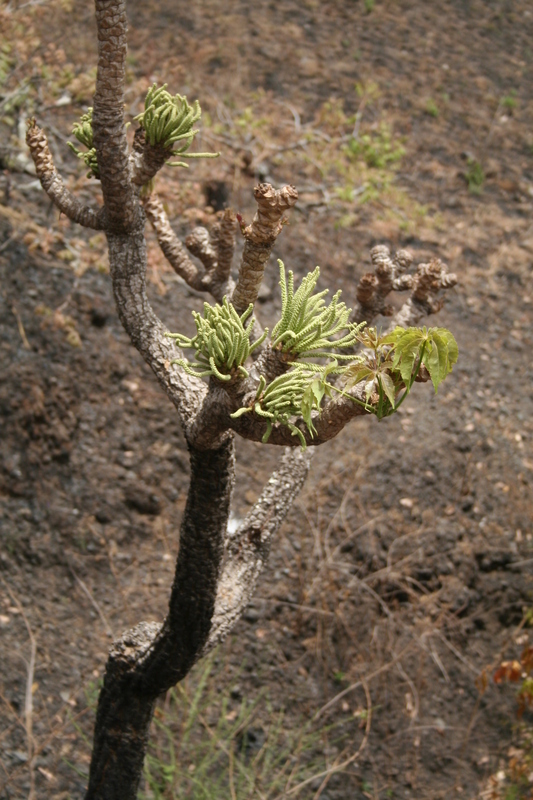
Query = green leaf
x=387 y=384
x=357 y=373
x=240 y=412
x=369 y=388
x=441 y=354
x=308 y=400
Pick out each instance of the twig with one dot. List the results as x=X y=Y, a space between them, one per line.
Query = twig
x=275 y=601
x=326 y=774
x=93 y=602
x=231 y=781
x=366 y=678
x=456 y=652
x=338 y=768
x=20 y=326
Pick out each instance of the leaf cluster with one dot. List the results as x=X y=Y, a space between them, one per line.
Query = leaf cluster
x=391 y=364
x=222 y=343
x=168 y=120
x=388 y=365
x=298 y=392
x=83 y=131
x=308 y=326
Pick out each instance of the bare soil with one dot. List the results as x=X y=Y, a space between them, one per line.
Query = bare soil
x=405 y=568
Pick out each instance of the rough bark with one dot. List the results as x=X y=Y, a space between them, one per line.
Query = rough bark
x=52 y=182
x=151 y=658
x=127 y=258
x=247 y=550
x=390 y=275
x=173 y=250
x=215 y=277
x=260 y=237
x=225 y=247
x=146 y=160
x=109 y=131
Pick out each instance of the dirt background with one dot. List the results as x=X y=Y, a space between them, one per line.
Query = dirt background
x=405 y=566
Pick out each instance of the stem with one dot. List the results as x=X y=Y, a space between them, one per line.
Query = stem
x=366 y=406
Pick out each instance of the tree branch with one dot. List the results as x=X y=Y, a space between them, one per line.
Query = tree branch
x=428 y=281
x=127 y=258
x=374 y=287
x=172 y=248
x=109 y=132
x=260 y=237
x=225 y=248
x=213 y=417
x=146 y=160
x=53 y=185
x=247 y=550
x=200 y=244
x=213 y=280
x=389 y=275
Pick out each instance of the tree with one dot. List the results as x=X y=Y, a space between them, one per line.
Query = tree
x=294 y=388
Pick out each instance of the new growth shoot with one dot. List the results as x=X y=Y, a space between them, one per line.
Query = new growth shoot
x=222 y=343
x=83 y=131
x=307 y=325
x=169 y=120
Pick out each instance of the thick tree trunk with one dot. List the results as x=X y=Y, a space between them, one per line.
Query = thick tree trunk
x=151 y=658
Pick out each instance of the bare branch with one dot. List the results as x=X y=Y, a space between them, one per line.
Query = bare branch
x=127 y=258
x=390 y=275
x=248 y=548
x=200 y=245
x=374 y=286
x=53 y=185
x=213 y=417
x=427 y=282
x=225 y=247
x=109 y=132
x=172 y=248
x=260 y=236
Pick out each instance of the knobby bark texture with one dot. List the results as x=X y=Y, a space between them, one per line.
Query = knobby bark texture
x=53 y=183
x=260 y=237
x=216 y=571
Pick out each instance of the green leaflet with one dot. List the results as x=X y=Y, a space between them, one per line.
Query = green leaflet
x=296 y=393
x=391 y=363
x=83 y=131
x=435 y=346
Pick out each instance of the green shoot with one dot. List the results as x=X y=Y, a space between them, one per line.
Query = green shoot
x=83 y=131
x=168 y=120
x=307 y=325
x=392 y=363
x=222 y=343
